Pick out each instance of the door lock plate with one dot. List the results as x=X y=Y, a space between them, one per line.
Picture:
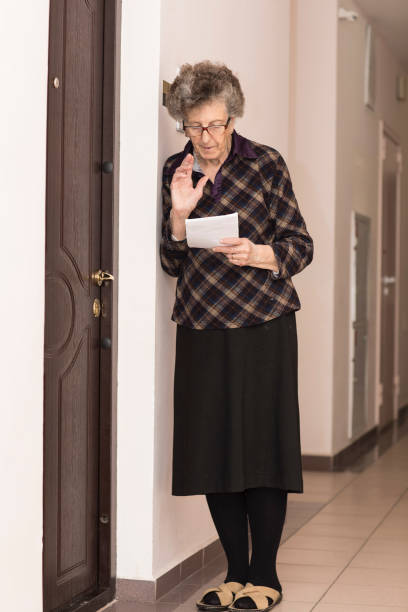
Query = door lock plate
x=96 y=307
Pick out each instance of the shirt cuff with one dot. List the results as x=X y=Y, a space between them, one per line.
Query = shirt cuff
x=171 y=241
x=274 y=273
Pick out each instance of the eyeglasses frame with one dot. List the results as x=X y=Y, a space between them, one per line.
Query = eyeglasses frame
x=203 y=129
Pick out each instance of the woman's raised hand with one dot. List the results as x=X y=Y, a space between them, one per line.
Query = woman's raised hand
x=184 y=196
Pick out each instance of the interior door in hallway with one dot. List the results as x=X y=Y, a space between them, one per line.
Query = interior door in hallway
x=74 y=534
x=388 y=279
x=360 y=259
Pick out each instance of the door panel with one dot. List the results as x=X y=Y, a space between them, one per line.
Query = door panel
x=71 y=335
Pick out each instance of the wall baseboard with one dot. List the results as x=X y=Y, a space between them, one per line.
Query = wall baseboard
x=347 y=456
x=151 y=590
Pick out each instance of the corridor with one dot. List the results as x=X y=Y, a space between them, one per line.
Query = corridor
x=345 y=543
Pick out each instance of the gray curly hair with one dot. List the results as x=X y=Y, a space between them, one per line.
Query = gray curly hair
x=200 y=83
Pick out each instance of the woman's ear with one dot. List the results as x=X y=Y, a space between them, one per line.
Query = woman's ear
x=231 y=125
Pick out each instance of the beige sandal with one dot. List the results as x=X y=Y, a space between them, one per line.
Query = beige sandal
x=225 y=592
x=258 y=595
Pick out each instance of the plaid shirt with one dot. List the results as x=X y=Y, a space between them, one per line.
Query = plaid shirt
x=211 y=291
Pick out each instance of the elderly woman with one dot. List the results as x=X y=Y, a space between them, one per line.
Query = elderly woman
x=236 y=415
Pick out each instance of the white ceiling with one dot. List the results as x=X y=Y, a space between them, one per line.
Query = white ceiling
x=390 y=19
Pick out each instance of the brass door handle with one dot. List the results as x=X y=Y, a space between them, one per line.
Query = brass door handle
x=100 y=276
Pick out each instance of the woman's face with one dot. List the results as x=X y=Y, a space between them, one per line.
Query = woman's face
x=210 y=146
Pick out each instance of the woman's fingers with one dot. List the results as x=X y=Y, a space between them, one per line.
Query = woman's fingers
x=184 y=171
x=181 y=173
x=181 y=177
x=187 y=161
x=186 y=165
x=200 y=185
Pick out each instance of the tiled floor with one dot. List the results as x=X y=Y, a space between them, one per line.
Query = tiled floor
x=345 y=543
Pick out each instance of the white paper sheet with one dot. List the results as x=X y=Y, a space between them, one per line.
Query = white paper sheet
x=205 y=232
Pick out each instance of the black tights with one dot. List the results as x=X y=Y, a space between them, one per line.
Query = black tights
x=265 y=507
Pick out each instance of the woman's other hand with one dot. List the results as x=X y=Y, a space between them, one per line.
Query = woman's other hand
x=184 y=196
x=243 y=252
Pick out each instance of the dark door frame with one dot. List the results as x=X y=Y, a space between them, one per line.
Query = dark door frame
x=108 y=321
x=386 y=131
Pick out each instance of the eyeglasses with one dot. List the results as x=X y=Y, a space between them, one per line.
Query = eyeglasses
x=213 y=130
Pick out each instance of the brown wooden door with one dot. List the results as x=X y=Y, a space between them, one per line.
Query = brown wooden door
x=72 y=421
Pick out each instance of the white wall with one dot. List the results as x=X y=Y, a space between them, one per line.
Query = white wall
x=312 y=130
x=253 y=39
x=357 y=189
x=23 y=106
x=137 y=286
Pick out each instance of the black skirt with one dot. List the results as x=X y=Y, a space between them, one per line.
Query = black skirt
x=236 y=412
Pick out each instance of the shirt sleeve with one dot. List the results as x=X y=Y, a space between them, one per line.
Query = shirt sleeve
x=172 y=251
x=293 y=245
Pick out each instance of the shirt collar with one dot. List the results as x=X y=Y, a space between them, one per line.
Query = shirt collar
x=196 y=165
x=242 y=147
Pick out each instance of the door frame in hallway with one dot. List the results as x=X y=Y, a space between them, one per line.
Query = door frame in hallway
x=361 y=230
x=386 y=132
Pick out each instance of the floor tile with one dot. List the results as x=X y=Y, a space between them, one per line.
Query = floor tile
x=356 y=497
x=385 y=545
x=294 y=606
x=293 y=572
x=341 y=531
x=315 y=497
x=356 y=608
x=185 y=593
x=344 y=544
x=393 y=529
x=135 y=606
x=401 y=509
x=373 y=506
x=367 y=576
x=303 y=591
x=344 y=520
x=380 y=560
x=381 y=595
x=313 y=557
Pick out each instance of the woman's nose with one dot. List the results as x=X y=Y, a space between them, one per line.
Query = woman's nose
x=205 y=136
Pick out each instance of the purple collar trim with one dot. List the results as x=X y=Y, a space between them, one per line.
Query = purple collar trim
x=241 y=146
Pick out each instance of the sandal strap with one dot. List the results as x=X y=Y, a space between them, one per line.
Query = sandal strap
x=258 y=594
x=234 y=587
x=225 y=591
